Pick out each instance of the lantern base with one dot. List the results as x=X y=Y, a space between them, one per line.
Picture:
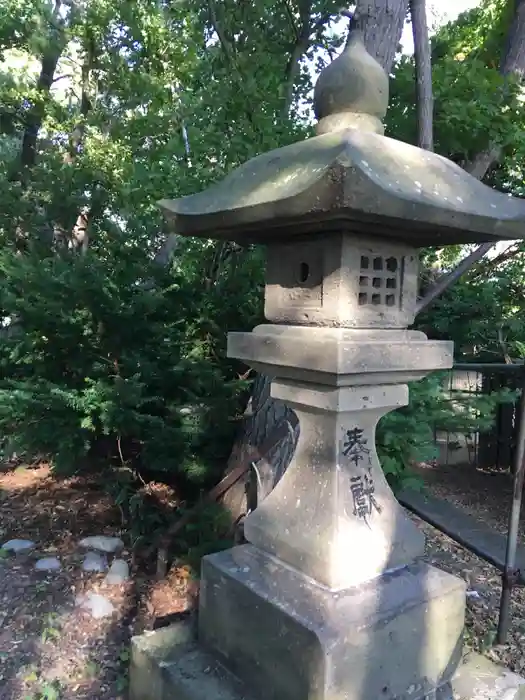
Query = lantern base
x=286 y=638
x=169 y=664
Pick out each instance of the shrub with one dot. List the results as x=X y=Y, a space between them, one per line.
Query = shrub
x=107 y=355
x=406 y=436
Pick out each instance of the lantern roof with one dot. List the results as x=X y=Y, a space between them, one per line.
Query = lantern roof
x=350 y=177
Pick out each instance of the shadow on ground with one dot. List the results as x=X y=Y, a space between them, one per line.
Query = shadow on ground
x=49 y=647
x=486 y=495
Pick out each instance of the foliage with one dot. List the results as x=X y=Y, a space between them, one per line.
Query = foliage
x=108 y=106
x=473 y=104
x=48 y=690
x=407 y=436
x=50 y=628
x=483 y=313
x=98 y=359
x=471 y=107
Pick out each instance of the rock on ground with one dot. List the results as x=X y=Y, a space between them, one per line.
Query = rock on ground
x=48 y=564
x=118 y=572
x=18 y=545
x=96 y=604
x=102 y=543
x=93 y=561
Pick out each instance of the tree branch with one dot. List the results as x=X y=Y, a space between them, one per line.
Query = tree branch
x=223 y=40
x=37 y=112
x=484 y=268
x=300 y=47
x=291 y=19
x=446 y=281
x=49 y=61
x=512 y=64
x=423 y=66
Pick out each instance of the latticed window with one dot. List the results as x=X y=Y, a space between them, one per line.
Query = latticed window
x=379 y=282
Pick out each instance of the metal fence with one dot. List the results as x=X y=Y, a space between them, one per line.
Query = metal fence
x=492 y=449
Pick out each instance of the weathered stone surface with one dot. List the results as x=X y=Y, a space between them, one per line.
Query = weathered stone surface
x=478 y=678
x=340 y=356
x=339 y=382
x=341 y=280
x=396 y=637
x=93 y=561
x=350 y=180
x=102 y=543
x=169 y=665
x=332 y=515
x=118 y=572
x=97 y=605
x=48 y=564
x=352 y=91
x=18 y=546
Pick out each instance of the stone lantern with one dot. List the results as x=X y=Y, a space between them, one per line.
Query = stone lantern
x=329 y=599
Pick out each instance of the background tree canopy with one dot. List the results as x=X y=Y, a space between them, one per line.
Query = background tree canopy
x=114 y=342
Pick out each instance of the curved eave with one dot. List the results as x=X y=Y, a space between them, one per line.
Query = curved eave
x=360 y=181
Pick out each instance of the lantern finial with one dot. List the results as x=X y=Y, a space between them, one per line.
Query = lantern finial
x=352 y=91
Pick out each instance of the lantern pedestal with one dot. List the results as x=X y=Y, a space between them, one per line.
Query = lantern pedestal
x=289 y=638
x=333 y=516
x=326 y=601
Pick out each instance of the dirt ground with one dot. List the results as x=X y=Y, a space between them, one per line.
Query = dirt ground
x=50 y=649
x=485 y=495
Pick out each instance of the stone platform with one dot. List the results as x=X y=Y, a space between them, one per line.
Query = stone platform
x=277 y=629
x=262 y=623
x=169 y=665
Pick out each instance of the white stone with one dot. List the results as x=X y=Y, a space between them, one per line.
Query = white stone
x=93 y=561
x=48 y=564
x=118 y=572
x=479 y=678
x=102 y=543
x=18 y=545
x=96 y=604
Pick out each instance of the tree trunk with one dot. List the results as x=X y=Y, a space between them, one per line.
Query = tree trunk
x=424 y=95
x=262 y=415
x=50 y=57
x=381 y=22
x=514 y=57
x=79 y=237
x=36 y=115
